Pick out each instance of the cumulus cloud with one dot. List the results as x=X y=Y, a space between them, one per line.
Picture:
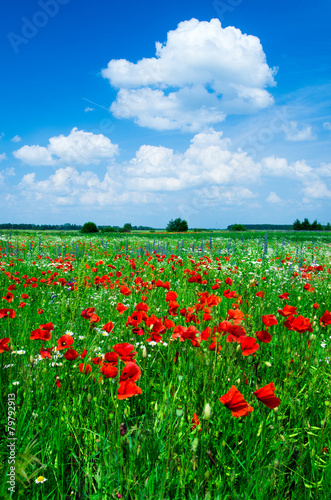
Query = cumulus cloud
x=292 y=133
x=202 y=73
x=207 y=161
x=78 y=147
x=3 y=156
x=4 y=174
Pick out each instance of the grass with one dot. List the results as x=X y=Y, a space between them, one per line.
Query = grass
x=89 y=444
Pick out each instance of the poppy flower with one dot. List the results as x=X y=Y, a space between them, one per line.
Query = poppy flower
x=196 y=423
x=300 y=324
x=127 y=389
x=130 y=371
x=269 y=320
x=125 y=290
x=3 y=345
x=7 y=313
x=48 y=326
x=260 y=294
x=39 y=333
x=112 y=357
x=58 y=383
x=108 y=370
x=46 y=353
x=284 y=296
x=121 y=308
x=87 y=313
x=88 y=368
x=267 y=396
x=264 y=336
x=287 y=310
x=325 y=319
x=9 y=297
x=235 y=402
x=108 y=327
x=229 y=294
x=123 y=349
x=248 y=345
x=236 y=315
x=71 y=354
x=64 y=342
x=40 y=311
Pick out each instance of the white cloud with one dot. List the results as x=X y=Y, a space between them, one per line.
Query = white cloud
x=3 y=156
x=327 y=125
x=8 y=172
x=78 y=147
x=273 y=198
x=292 y=133
x=34 y=155
x=200 y=74
x=207 y=161
x=88 y=109
x=279 y=167
x=317 y=190
x=16 y=138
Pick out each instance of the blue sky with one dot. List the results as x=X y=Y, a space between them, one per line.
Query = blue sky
x=216 y=112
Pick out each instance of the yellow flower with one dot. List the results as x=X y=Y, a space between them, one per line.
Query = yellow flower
x=40 y=479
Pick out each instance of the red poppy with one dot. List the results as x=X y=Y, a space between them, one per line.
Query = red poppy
x=127 y=389
x=7 y=313
x=71 y=354
x=287 y=310
x=9 y=297
x=109 y=370
x=94 y=318
x=267 y=396
x=84 y=353
x=229 y=294
x=47 y=326
x=325 y=319
x=46 y=353
x=235 y=402
x=236 y=315
x=264 y=336
x=88 y=368
x=123 y=349
x=269 y=320
x=121 y=308
x=260 y=294
x=87 y=313
x=228 y=281
x=130 y=371
x=171 y=296
x=40 y=311
x=284 y=296
x=300 y=324
x=125 y=290
x=316 y=306
x=58 y=383
x=3 y=345
x=248 y=345
x=112 y=357
x=39 y=333
x=196 y=423
x=64 y=342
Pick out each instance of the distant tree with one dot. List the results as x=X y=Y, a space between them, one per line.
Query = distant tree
x=305 y=226
x=127 y=228
x=109 y=229
x=316 y=226
x=328 y=227
x=297 y=225
x=177 y=226
x=90 y=227
x=237 y=227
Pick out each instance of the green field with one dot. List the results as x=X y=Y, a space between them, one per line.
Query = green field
x=129 y=365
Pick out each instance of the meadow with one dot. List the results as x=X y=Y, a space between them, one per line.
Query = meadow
x=165 y=366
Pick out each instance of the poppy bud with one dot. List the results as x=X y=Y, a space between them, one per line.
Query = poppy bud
x=267 y=364
x=179 y=411
x=276 y=463
x=282 y=437
x=144 y=352
x=31 y=359
x=89 y=398
x=207 y=410
x=312 y=337
x=195 y=444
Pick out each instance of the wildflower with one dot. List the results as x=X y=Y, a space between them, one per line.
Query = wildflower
x=235 y=402
x=267 y=396
x=3 y=344
x=64 y=342
x=269 y=320
x=40 y=479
